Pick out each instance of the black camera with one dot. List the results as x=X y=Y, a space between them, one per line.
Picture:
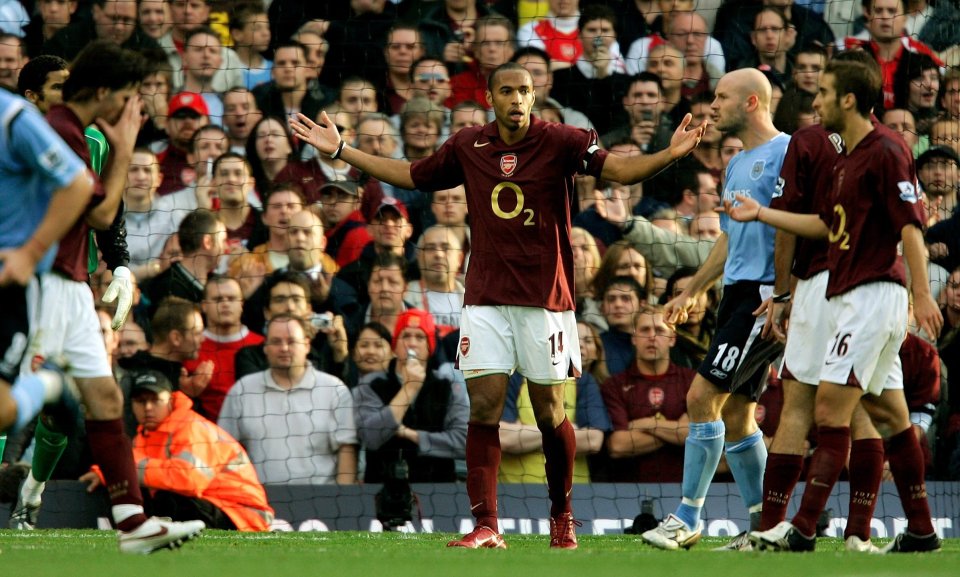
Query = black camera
x=395 y=501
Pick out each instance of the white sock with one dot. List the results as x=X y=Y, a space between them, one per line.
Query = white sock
x=123 y=512
x=32 y=490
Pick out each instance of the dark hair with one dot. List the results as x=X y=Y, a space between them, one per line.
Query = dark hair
x=229 y=156
x=814 y=48
x=531 y=51
x=911 y=67
x=34 y=73
x=215 y=279
x=505 y=67
x=776 y=10
x=646 y=76
x=194 y=227
x=201 y=30
x=103 y=64
x=678 y=275
x=292 y=44
x=279 y=187
x=607 y=269
x=428 y=58
x=389 y=260
x=243 y=11
x=468 y=105
x=171 y=315
x=378 y=328
x=256 y=164
x=858 y=79
x=402 y=26
x=287 y=276
x=597 y=12
x=627 y=281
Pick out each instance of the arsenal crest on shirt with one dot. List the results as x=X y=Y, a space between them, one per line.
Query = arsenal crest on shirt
x=464 y=346
x=655 y=397
x=508 y=163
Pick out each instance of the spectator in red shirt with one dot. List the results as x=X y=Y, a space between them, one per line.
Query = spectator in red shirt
x=493 y=45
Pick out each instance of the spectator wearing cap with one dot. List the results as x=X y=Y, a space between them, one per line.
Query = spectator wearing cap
x=346 y=227
x=415 y=412
x=187 y=113
x=391 y=232
x=191 y=468
x=296 y=422
x=937 y=173
x=112 y=20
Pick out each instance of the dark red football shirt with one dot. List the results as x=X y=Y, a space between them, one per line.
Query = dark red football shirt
x=921 y=374
x=73 y=254
x=807 y=175
x=519 y=197
x=632 y=395
x=875 y=195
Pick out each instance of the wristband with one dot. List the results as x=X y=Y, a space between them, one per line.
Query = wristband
x=782 y=298
x=336 y=153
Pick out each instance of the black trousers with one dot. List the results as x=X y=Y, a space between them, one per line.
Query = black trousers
x=181 y=508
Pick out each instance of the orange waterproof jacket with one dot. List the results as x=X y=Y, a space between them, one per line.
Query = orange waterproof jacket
x=192 y=456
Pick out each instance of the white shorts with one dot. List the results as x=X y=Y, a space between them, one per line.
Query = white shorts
x=807 y=336
x=543 y=345
x=66 y=329
x=867 y=326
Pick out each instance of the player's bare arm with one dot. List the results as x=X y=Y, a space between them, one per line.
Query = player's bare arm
x=326 y=138
x=66 y=207
x=675 y=311
x=925 y=309
x=631 y=170
x=777 y=313
x=748 y=210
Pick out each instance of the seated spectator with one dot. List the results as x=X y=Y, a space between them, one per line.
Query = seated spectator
x=346 y=228
x=950 y=95
x=493 y=44
x=391 y=231
x=202 y=237
x=132 y=340
x=190 y=468
x=622 y=299
x=448 y=29
x=207 y=144
x=622 y=259
x=643 y=120
x=250 y=31
x=385 y=289
x=187 y=112
x=296 y=422
x=357 y=97
x=269 y=148
x=948 y=345
x=187 y=16
x=372 y=354
x=287 y=92
x=404 y=47
x=592 y=354
x=147 y=228
x=465 y=115
x=12 y=58
x=201 y=59
x=155 y=93
x=597 y=81
x=240 y=115
x=586 y=262
x=773 y=37
x=668 y=63
x=430 y=79
x=421 y=122
x=287 y=292
x=692 y=336
x=521 y=439
x=416 y=411
x=112 y=20
x=439 y=290
x=903 y=122
x=51 y=17
x=705 y=226
x=177 y=331
x=449 y=209
x=916 y=87
x=556 y=34
x=539 y=65
x=939 y=178
x=807 y=66
x=233 y=190
x=648 y=408
x=224 y=335
x=946 y=132
x=250 y=268
x=154 y=17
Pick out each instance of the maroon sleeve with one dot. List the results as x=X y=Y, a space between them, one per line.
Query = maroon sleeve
x=589 y=157
x=795 y=197
x=616 y=404
x=899 y=175
x=921 y=373
x=441 y=170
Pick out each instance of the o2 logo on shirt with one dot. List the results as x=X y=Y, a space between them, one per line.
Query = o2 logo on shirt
x=508 y=163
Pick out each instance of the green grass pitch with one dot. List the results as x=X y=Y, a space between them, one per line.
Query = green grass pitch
x=66 y=553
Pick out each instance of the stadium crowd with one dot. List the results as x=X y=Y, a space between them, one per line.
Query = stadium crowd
x=305 y=316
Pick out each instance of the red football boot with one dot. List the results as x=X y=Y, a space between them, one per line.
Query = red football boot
x=482 y=537
x=562 y=531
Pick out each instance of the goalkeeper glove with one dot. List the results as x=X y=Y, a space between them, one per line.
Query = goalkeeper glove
x=120 y=290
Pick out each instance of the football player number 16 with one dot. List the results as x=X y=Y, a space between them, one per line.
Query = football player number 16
x=517 y=210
